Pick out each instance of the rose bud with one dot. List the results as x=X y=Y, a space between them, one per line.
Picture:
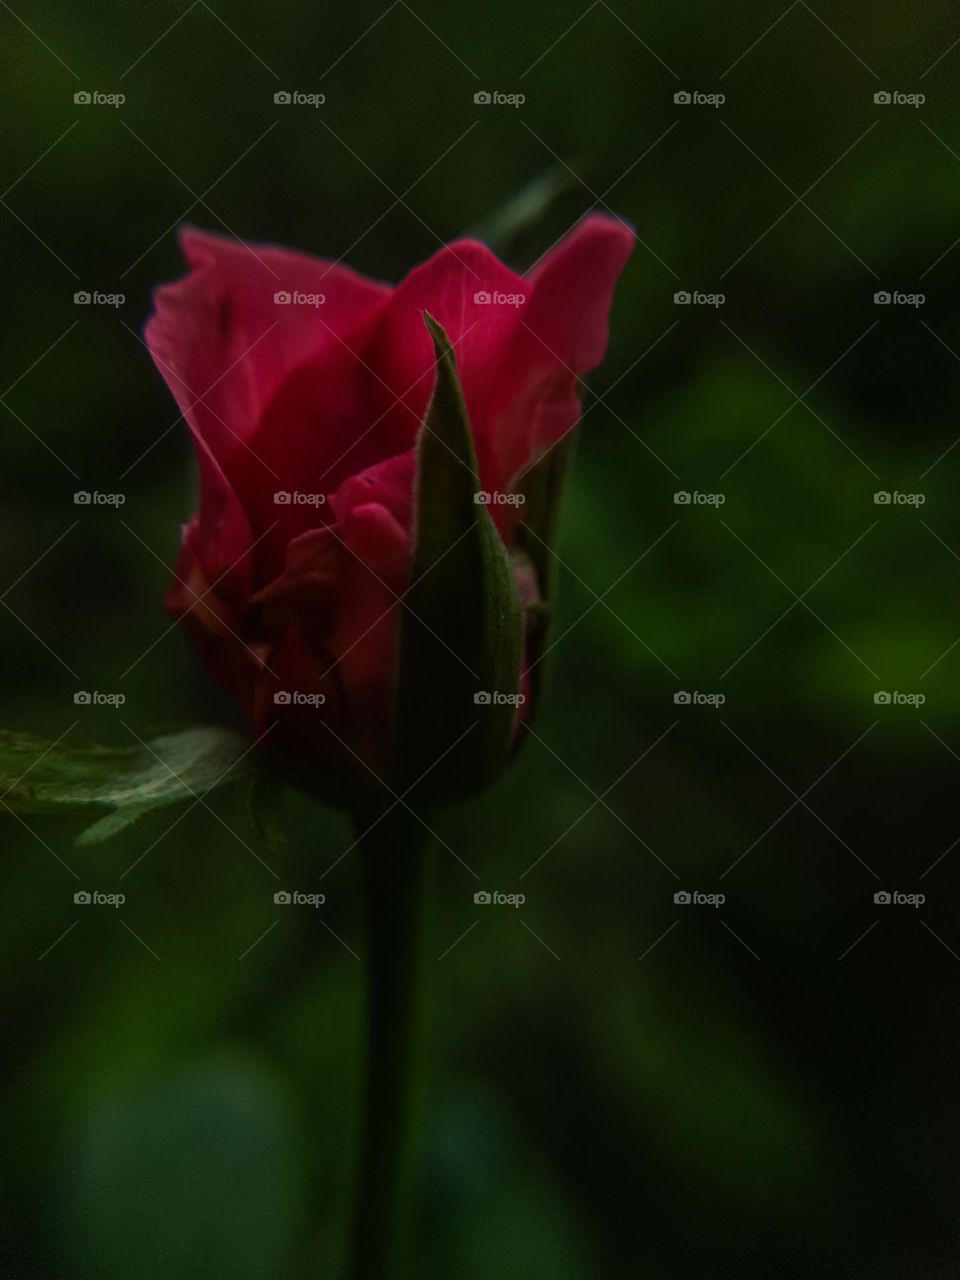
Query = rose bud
x=366 y=573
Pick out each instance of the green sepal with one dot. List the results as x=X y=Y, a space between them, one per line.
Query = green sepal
x=536 y=535
x=461 y=631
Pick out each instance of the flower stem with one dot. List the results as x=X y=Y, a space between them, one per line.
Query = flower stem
x=397 y=866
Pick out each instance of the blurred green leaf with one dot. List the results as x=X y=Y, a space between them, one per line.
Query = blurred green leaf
x=42 y=777
x=193 y=1177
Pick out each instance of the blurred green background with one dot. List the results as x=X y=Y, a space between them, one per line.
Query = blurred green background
x=621 y=1086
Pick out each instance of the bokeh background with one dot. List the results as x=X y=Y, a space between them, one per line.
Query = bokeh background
x=621 y=1086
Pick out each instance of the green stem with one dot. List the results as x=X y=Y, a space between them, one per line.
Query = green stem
x=397 y=867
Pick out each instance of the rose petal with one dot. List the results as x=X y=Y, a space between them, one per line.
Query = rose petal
x=563 y=336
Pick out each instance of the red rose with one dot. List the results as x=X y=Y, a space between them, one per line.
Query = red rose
x=304 y=386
